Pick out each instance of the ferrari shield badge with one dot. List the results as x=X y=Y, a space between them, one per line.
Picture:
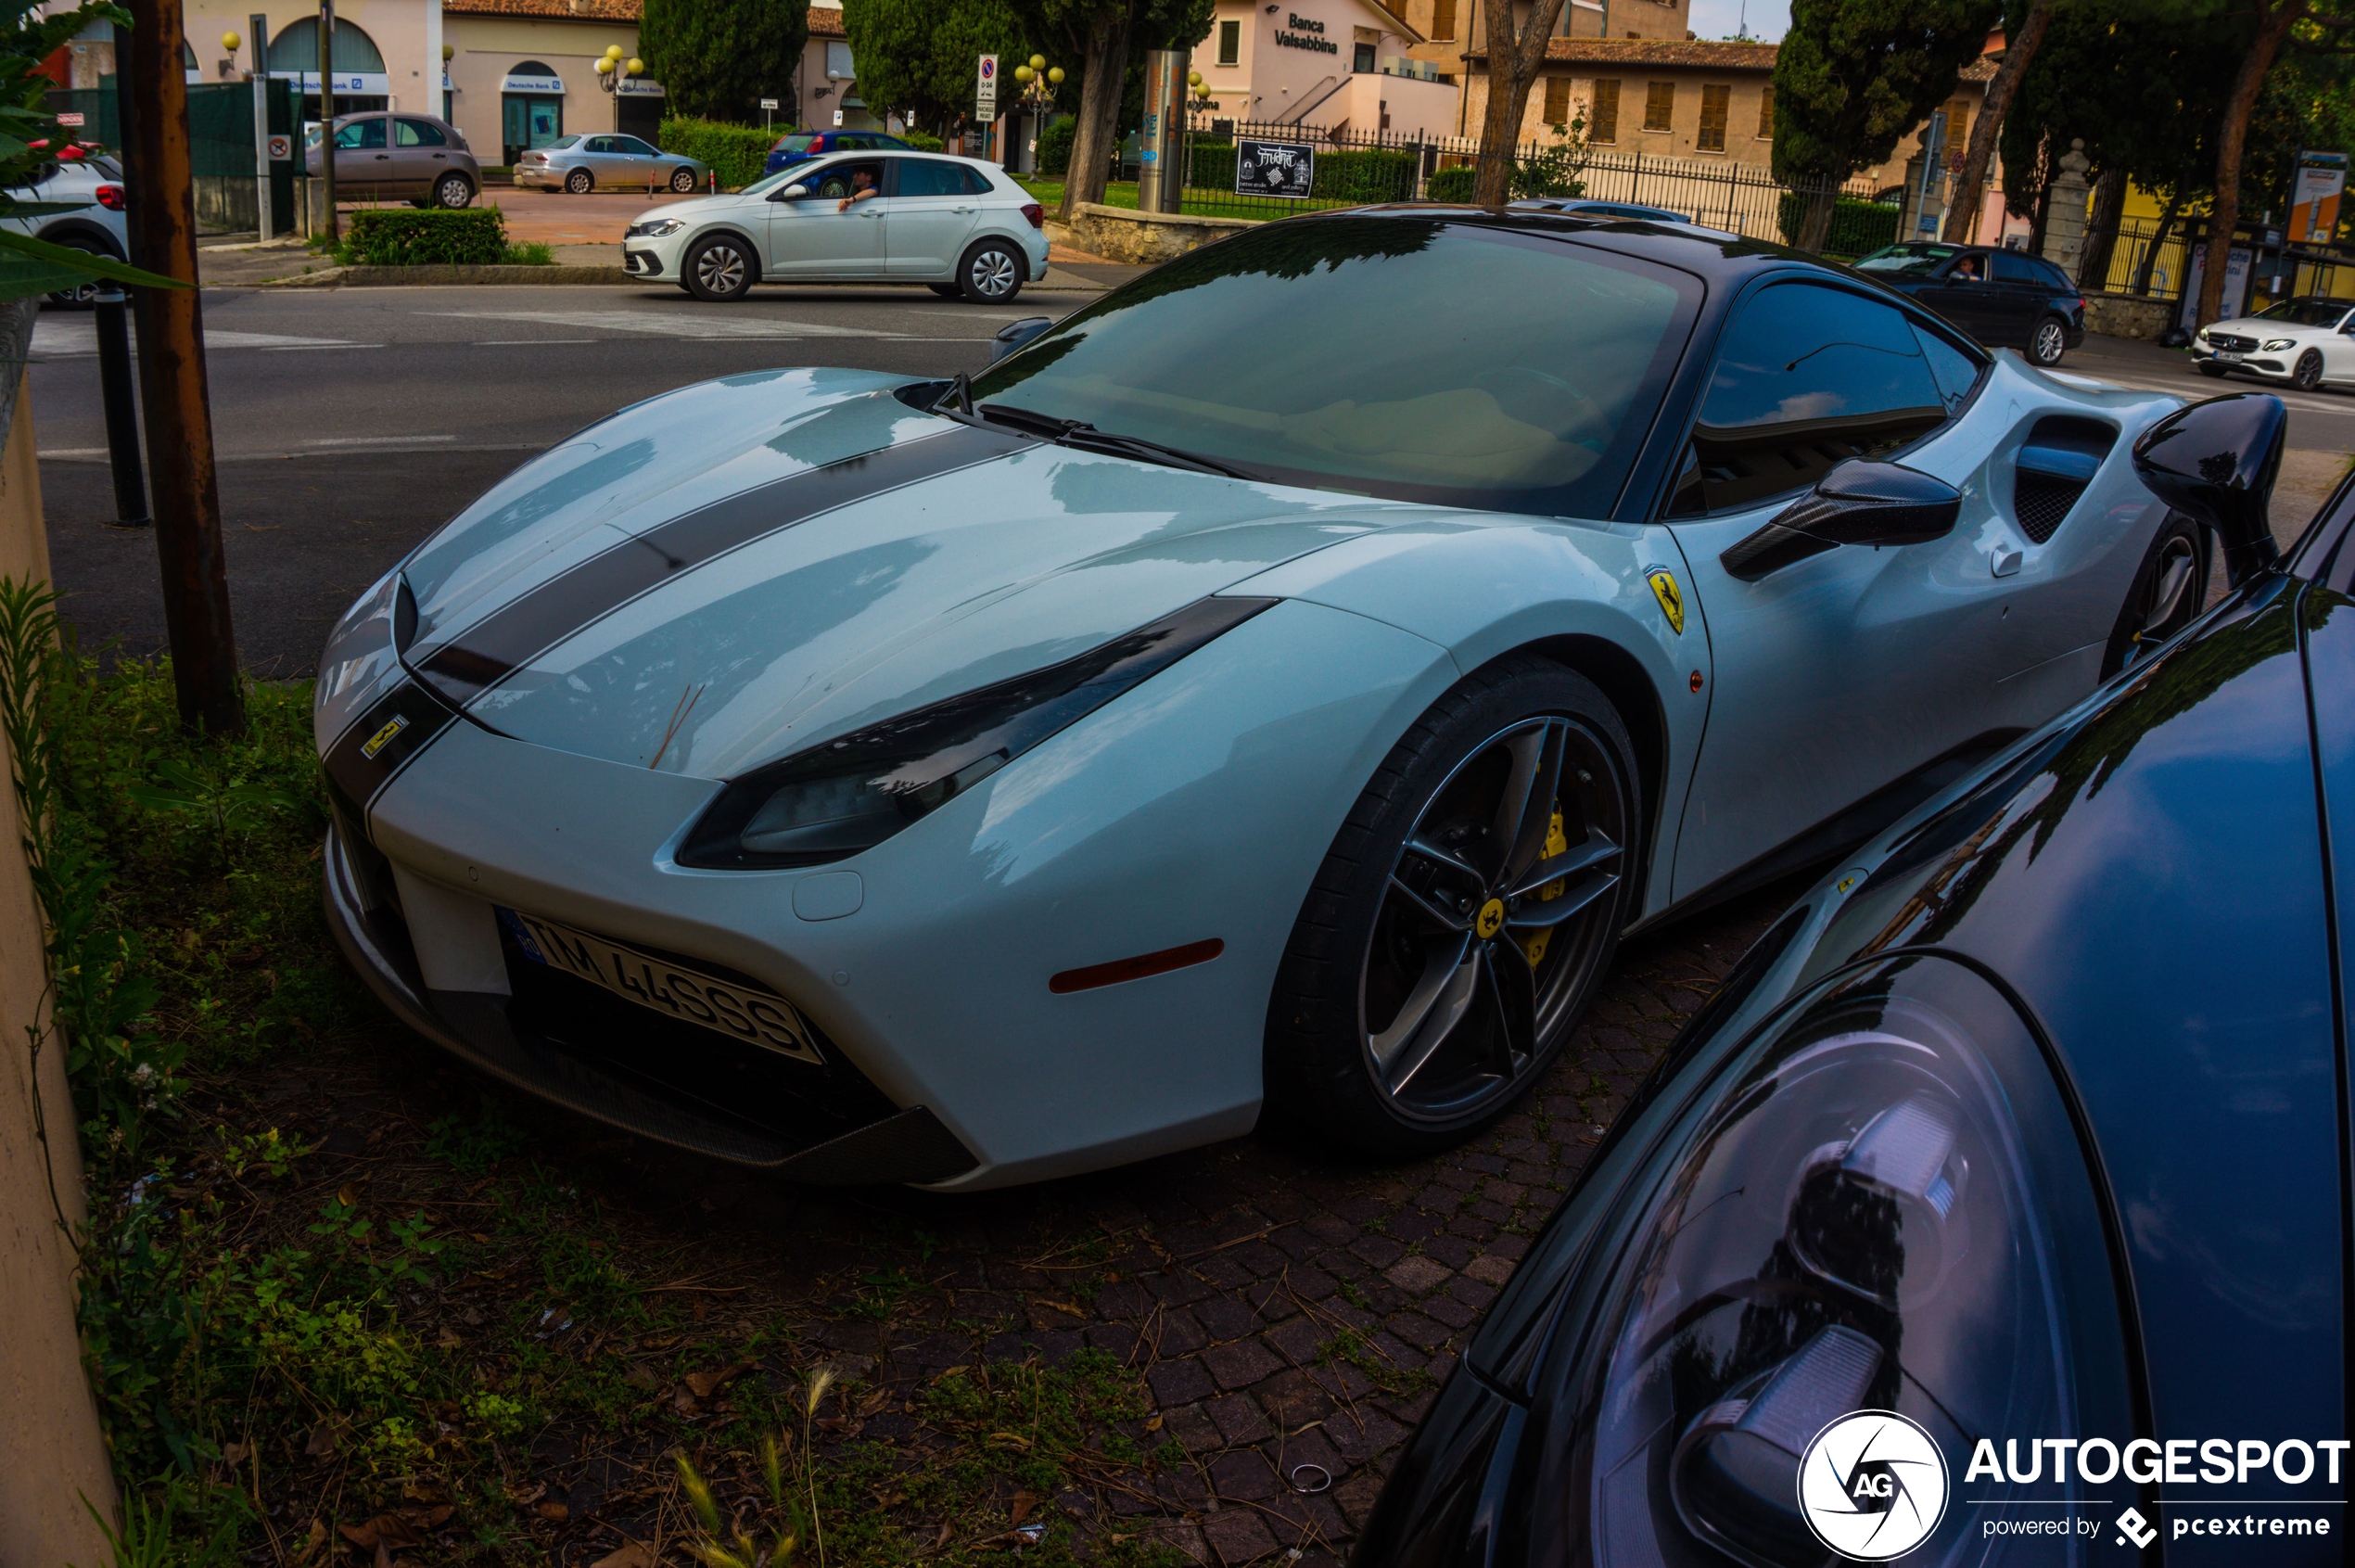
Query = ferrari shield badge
x=1671 y=602
x=382 y=737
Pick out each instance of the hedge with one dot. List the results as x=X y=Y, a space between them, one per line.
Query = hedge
x=922 y=141
x=1858 y=226
x=391 y=237
x=1054 y=147
x=738 y=154
x=1375 y=174
x=1452 y=185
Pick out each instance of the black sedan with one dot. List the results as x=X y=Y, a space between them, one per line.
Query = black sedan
x=2005 y=298
x=1996 y=1209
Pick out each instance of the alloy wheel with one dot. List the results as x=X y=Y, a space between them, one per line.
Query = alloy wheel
x=2308 y=374
x=1495 y=912
x=994 y=274
x=578 y=182
x=719 y=269
x=2051 y=342
x=454 y=191
x=683 y=180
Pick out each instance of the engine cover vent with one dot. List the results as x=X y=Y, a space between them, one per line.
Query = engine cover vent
x=2057 y=461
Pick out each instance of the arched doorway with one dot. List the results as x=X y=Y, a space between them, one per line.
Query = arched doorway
x=531 y=108
x=355 y=64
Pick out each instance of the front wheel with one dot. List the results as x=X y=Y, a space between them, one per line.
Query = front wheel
x=722 y=267
x=2308 y=374
x=82 y=295
x=578 y=182
x=1463 y=917
x=682 y=181
x=991 y=274
x=2167 y=594
x=2049 y=341
x=453 y=191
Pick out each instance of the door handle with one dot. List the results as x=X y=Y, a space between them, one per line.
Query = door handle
x=383 y=157
x=961 y=209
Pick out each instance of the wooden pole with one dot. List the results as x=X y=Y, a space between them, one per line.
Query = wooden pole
x=186 y=497
x=328 y=116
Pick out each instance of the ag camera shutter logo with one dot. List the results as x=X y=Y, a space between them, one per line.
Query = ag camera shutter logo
x=1872 y=1486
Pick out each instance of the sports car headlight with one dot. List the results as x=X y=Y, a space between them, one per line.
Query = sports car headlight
x=654 y=228
x=2275 y=345
x=1882 y=1207
x=852 y=793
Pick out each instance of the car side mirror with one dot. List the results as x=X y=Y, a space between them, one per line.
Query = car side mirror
x=1014 y=335
x=2215 y=462
x=1857 y=503
x=792 y=193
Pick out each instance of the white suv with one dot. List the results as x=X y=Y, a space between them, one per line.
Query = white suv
x=97 y=227
x=956 y=223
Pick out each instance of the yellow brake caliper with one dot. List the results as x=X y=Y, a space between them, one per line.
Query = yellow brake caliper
x=1534 y=945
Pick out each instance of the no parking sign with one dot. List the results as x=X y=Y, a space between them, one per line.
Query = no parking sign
x=281 y=148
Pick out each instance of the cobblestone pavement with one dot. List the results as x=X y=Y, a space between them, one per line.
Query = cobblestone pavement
x=1287 y=1307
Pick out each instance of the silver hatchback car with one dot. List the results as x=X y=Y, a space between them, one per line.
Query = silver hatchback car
x=580 y=164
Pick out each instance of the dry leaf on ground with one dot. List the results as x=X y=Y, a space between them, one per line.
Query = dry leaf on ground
x=631 y=1555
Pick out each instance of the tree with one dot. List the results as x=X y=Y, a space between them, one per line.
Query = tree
x=2274 y=21
x=2021 y=45
x=1854 y=76
x=921 y=57
x=1098 y=37
x=719 y=58
x=1513 y=59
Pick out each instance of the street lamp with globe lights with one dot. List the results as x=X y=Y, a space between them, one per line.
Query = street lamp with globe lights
x=612 y=70
x=1201 y=102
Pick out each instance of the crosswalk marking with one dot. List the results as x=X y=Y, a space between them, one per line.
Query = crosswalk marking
x=673 y=324
x=58 y=338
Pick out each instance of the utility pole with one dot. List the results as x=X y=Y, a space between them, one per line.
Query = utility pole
x=326 y=113
x=258 y=28
x=186 y=498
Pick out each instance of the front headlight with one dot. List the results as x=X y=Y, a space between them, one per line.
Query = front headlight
x=656 y=228
x=1883 y=1205
x=850 y=794
x=2275 y=345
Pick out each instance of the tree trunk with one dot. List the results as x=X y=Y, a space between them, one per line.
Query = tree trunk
x=2101 y=229
x=1815 y=223
x=1512 y=68
x=1970 y=185
x=2043 y=210
x=1104 y=65
x=2143 y=268
x=186 y=497
x=2272 y=27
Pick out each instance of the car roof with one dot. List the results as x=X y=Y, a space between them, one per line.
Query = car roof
x=1719 y=256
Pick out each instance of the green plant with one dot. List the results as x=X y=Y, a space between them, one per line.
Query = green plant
x=728 y=1544
x=1054 y=149
x=1452 y=185
x=394 y=236
x=720 y=58
x=1554 y=169
x=922 y=141
x=738 y=154
x=530 y=253
x=1858 y=225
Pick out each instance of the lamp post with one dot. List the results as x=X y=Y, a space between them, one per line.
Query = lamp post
x=1201 y=102
x=1035 y=82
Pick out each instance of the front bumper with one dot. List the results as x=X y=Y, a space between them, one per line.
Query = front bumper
x=641 y=263
x=847 y=1134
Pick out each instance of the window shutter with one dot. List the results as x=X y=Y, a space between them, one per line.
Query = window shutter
x=1766 y=113
x=1714 y=98
x=1605 y=128
x=1557 y=100
x=1443 y=21
x=1660 y=104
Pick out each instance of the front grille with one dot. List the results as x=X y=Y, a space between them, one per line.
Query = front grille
x=2041 y=501
x=705 y=1074
x=2232 y=342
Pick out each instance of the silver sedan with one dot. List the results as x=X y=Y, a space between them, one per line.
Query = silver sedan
x=582 y=163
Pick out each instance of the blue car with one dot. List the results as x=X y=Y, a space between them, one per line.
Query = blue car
x=970 y=780
x=801 y=147
x=1996 y=1209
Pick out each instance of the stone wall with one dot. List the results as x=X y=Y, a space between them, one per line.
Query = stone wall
x=2128 y=315
x=1144 y=238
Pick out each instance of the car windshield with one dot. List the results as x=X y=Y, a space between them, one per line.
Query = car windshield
x=795 y=144
x=1908 y=260
x=771 y=182
x=1412 y=358
x=2305 y=312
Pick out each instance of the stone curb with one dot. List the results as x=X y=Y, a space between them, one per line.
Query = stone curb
x=379 y=277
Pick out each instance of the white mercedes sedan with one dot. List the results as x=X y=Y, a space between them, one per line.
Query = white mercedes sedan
x=2306 y=342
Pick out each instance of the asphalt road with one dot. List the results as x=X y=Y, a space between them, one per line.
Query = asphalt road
x=350 y=423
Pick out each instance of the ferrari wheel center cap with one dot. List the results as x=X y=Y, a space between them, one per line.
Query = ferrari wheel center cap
x=1491 y=919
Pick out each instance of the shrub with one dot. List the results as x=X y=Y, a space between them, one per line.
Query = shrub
x=1374 y=174
x=1452 y=185
x=738 y=154
x=1054 y=148
x=1857 y=225
x=1211 y=166
x=393 y=236
x=922 y=141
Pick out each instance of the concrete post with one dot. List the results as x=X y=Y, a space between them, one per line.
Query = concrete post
x=2065 y=220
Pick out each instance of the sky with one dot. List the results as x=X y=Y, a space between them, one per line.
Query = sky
x=1720 y=19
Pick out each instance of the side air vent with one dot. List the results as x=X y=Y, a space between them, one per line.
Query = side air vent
x=2056 y=463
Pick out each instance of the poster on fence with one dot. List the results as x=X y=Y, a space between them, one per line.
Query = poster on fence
x=1285 y=169
x=2315 y=197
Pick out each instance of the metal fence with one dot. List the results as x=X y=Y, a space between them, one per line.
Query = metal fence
x=1355 y=168
x=220 y=144
x=2169 y=257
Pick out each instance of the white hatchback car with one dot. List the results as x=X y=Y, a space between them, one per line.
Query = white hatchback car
x=957 y=224
x=2305 y=342
x=97 y=225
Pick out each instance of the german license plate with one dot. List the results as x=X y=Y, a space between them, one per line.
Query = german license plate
x=2229 y=357
x=666 y=986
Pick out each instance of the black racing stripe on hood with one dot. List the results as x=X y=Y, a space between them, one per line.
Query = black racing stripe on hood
x=382 y=741
x=483 y=654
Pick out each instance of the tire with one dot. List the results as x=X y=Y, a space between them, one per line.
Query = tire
x=2168 y=593
x=83 y=295
x=2308 y=373
x=2048 y=343
x=2206 y=368
x=683 y=180
x=721 y=268
x=579 y=182
x=946 y=290
x=991 y=273
x=452 y=191
x=1387 y=929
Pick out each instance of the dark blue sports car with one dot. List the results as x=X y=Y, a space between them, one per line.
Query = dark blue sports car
x=1997 y=1210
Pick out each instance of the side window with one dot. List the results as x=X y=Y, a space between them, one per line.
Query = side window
x=976 y=182
x=601 y=144
x=1807 y=377
x=632 y=145
x=362 y=133
x=1955 y=371
x=2053 y=277
x=925 y=176
x=838 y=180
x=417 y=133
x=2013 y=267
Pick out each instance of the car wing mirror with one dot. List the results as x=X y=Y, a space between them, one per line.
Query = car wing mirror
x=1015 y=335
x=1857 y=503
x=792 y=193
x=2215 y=462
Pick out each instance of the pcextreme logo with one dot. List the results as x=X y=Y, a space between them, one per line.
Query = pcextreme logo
x=1872 y=1486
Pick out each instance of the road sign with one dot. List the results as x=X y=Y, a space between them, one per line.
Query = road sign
x=280 y=149
x=768 y=103
x=985 y=98
x=1284 y=169
x=69 y=120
